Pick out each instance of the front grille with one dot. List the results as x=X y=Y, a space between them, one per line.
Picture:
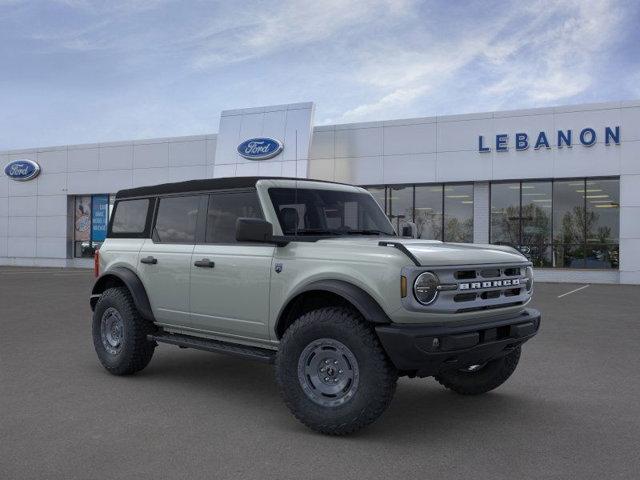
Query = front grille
x=465 y=297
x=514 y=292
x=469 y=297
x=490 y=273
x=475 y=288
x=491 y=294
x=465 y=274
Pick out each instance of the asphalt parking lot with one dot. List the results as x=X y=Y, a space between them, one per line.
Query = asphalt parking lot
x=571 y=410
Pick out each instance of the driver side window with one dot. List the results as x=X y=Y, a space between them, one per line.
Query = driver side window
x=224 y=209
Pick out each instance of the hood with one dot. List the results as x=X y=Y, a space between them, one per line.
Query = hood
x=436 y=253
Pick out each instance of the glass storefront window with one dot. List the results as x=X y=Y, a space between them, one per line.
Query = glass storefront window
x=505 y=214
x=379 y=194
x=91 y=217
x=440 y=212
x=564 y=223
x=603 y=211
x=603 y=223
x=569 y=223
x=535 y=241
x=458 y=213
x=400 y=206
x=428 y=211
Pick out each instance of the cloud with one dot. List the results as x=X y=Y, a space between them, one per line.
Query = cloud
x=100 y=8
x=287 y=25
x=555 y=63
x=407 y=76
x=398 y=98
x=541 y=53
x=120 y=69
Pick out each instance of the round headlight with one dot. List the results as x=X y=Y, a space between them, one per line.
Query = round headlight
x=425 y=288
x=528 y=273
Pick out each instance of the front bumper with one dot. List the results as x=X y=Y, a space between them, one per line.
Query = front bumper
x=426 y=350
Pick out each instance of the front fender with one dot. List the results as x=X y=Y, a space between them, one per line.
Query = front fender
x=361 y=300
x=364 y=303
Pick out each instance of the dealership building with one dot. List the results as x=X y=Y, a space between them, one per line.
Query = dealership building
x=561 y=184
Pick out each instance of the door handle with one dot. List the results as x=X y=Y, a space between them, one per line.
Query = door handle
x=149 y=260
x=204 y=263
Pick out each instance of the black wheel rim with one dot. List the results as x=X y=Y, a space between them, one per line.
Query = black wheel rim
x=328 y=372
x=111 y=330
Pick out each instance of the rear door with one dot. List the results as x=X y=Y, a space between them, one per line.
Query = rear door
x=164 y=262
x=230 y=280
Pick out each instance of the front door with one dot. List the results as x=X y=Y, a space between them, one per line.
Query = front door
x=230 y=280
x=164 y=263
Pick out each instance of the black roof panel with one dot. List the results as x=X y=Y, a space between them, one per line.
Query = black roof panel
x=201 y=185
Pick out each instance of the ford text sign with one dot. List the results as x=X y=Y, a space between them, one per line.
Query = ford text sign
x=260 y=148
x=22 y=170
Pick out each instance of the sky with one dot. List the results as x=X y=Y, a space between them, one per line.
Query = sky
x=80 y=71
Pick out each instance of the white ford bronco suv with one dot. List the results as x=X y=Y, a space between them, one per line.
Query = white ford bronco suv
x=311 y=276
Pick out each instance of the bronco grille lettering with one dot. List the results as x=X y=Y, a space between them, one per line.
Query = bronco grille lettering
x=489 y=284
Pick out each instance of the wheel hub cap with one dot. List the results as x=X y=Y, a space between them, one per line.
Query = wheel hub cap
x=328 y=372
x=111 y=330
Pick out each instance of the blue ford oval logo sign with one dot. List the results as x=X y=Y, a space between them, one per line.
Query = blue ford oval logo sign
x=260 y=148
x=22 y=170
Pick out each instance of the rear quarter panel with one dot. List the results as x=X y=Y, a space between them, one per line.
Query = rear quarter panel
x=120 y=252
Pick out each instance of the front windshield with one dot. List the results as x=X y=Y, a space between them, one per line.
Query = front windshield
x=307 y=211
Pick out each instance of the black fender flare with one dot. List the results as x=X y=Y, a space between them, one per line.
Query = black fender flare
x=132 y=282
x=368 y=307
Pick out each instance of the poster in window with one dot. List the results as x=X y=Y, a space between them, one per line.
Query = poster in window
x=99 y=217
x=82 y=229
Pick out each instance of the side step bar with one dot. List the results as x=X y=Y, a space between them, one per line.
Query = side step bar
x=185 y=341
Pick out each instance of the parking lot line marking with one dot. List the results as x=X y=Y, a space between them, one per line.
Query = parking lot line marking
x=573 y=291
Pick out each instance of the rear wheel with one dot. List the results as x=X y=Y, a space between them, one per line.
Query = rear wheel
x=332 y=371
x=120 y=333
x=478 y=379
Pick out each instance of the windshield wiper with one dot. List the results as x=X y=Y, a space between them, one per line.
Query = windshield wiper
x=317 y=232
x=341 y=232
x=367 y=232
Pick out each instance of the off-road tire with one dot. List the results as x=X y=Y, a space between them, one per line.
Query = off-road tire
x=487 y=378
x=377 y=376
x=135 y=350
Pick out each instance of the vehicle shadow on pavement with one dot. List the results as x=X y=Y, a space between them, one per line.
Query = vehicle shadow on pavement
x=421 y=407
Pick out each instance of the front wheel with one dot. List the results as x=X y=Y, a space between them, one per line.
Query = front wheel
x=333 y=373
x=478 y=379
x=120 y=333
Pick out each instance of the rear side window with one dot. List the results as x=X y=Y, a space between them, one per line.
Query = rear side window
x=224 y=209
x=177 y=219
x=130 y=216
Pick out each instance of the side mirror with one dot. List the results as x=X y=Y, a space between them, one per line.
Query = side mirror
x=254 y=230
x=410 y=230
